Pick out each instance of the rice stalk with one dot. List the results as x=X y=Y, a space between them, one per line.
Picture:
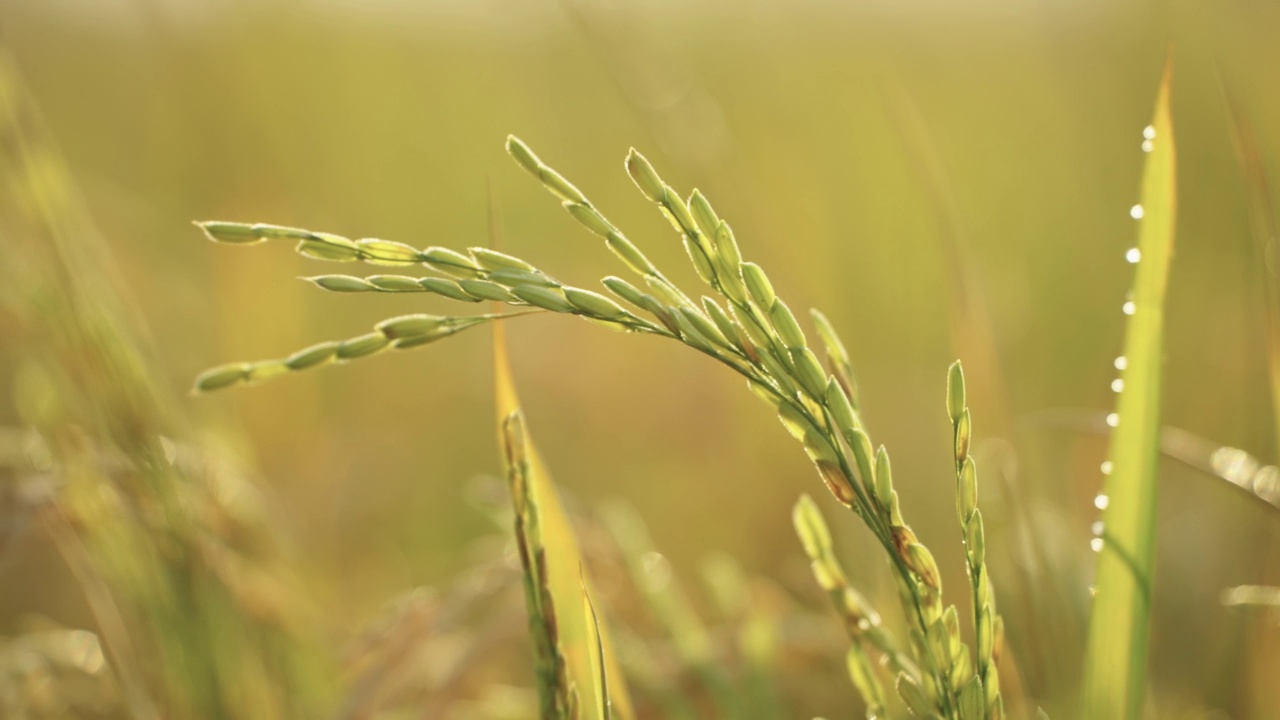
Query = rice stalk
x=972 y=335
x=557 y=693
x=668 y=602
x=758 y=636
x=194 y=621
x=871 y=641
x=987 y=624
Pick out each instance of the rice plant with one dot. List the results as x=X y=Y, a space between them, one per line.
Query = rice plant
x=742 y=324
x=170 y=546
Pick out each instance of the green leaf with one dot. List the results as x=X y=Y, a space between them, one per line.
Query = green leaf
x=1116 y=654
x=1264 y=225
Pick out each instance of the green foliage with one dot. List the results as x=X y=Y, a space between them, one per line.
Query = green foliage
x=1116 y=659
x=902 y=211
x=194 y=609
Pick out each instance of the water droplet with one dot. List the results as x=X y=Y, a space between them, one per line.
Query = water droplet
x=1129 y=307
x=1136 y=212
x=1148 y=146
x=1234 y=465
x=1133 y=255
x=1149 y=132
x=1121 y=363
x=1101 y=502
x=1096 y=544
x=1107 y=467
x=1117 y=385
x=1113 y=419
x=1096 y=528
x=1266 y=484
x=1093 y=591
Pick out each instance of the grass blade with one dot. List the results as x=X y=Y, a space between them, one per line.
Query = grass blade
x=1116 y=654
x=671 y=607
x=595 y=642
x=1265 y=229
x=563 y=558
x=193 y=623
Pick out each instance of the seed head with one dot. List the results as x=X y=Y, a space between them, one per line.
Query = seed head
x=706 y=219
x=448 y=288
x=485 y=290
x=387 y=252
x=312 y=356
x=921 y=562
x=962 y=436
x=645 y=177
x=327 y=246
x=758 y=285
x=395 y=283
x=222 y=376
x=361 y=346
x=544 y=298
x=410 y=326
x=523 y=156
x=594 y=304
x=495 y=261
x=342 y=283
x=590 y=218
x=811 y=528
x=955 y=391
x=836 y=481
x=784 y=322
x=967 y=490
x=976 y=540
x=884 y=477
x=230 y=232
x=629 y=253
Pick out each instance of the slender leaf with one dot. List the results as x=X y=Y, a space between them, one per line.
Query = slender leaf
x=1265 y=228
x=599 y=676
x=1116 y=655
x=563 y=559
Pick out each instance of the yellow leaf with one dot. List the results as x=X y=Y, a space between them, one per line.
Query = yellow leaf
x=563 y=561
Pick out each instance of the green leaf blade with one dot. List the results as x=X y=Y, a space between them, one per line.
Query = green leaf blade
x=1116 y=654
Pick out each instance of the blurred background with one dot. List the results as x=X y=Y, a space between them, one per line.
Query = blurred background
x=943 y=179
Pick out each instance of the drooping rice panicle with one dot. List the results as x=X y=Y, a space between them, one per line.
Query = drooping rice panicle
x=861 y=621
x=398 y=333
x=755 y=333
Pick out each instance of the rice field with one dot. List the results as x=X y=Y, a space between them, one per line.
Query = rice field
x=1024 y=251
